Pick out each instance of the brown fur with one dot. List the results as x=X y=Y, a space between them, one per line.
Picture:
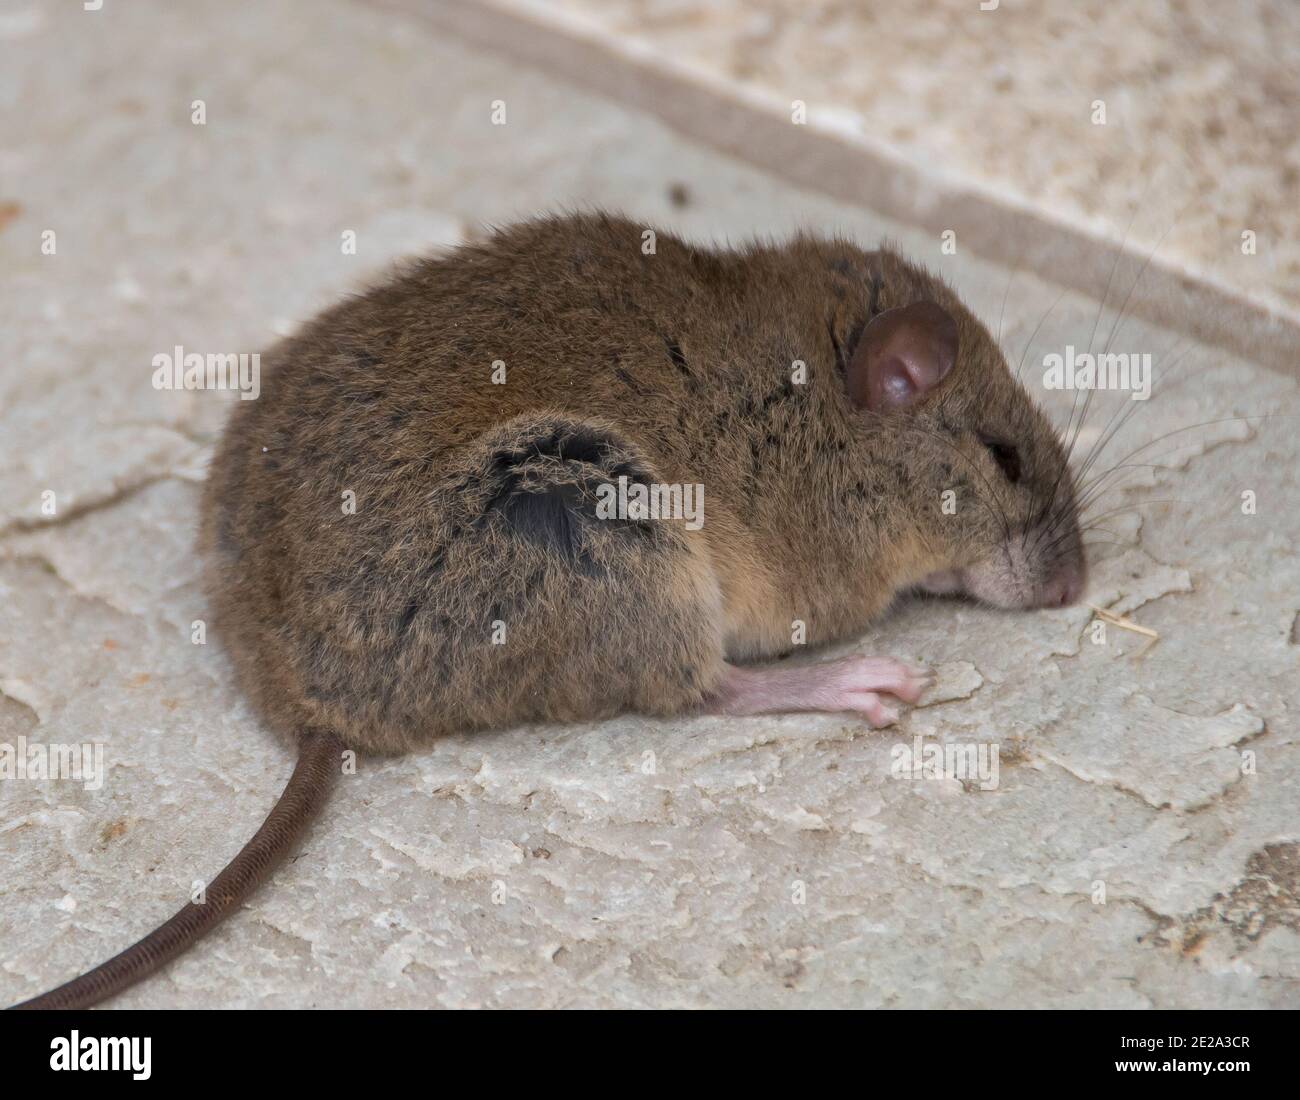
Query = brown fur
x=474 y=500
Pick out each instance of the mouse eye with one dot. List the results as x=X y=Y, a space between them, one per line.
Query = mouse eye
x=1005 y=455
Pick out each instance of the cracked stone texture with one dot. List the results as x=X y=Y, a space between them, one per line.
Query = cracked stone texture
x=1199 y=144
x=1140 y=848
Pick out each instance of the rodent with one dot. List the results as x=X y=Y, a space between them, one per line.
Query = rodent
x=826 y=398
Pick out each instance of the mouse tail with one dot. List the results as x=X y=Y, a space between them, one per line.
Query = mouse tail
x=308 y=788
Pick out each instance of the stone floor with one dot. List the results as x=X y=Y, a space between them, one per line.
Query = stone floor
x=1138 y=849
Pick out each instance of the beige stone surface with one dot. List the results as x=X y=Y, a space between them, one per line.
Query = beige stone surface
x=1201 y=140
x=1140 y=845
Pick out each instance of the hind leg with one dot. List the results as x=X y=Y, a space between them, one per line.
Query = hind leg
x=849 y=684
x=552 y=608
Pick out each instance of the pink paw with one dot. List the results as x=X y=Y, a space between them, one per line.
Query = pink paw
x=851 y=683
x=856 y=683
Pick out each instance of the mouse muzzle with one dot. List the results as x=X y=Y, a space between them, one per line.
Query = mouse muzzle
x=1038 y=567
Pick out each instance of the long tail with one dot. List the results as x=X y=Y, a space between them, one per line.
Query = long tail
x=307 y=789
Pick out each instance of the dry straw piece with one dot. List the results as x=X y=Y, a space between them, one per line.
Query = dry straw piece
x=1126 y=624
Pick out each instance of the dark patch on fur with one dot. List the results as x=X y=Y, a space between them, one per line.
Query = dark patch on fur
x=855 y=334
x=569 y=442
x=408 y=616
x=841 y=360
x=630 y=382
x=873 y=307
x=676 y=355
x=550 y=520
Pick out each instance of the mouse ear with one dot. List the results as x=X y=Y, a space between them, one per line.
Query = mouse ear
x=902 y=355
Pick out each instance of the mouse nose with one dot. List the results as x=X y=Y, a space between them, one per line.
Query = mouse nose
x=1063 y=589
